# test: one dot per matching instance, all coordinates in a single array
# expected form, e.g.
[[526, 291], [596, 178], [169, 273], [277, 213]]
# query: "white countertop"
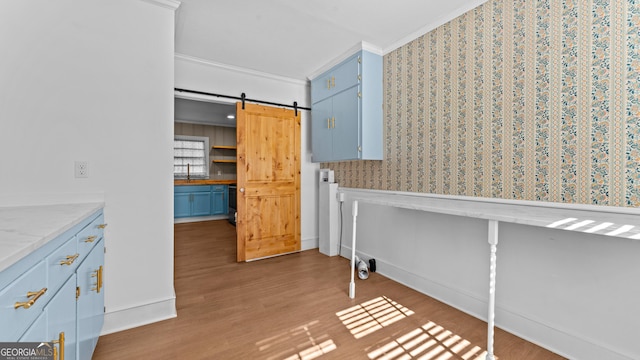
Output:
[[24, 229], [602, 220]]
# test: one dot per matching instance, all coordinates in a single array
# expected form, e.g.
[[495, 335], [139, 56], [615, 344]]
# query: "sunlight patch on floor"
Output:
[[299, 343], [373, 315], [428, 342]]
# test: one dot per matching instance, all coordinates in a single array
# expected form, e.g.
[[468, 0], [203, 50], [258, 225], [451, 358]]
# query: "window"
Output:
[[190, 156]]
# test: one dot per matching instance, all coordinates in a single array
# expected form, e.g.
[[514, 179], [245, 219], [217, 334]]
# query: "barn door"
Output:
[[268, 151]]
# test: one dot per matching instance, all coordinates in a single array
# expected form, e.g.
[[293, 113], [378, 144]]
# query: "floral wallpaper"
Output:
[[531, 100]]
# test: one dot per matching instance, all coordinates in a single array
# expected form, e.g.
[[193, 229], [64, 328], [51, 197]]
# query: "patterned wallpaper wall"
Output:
[[532, 100]]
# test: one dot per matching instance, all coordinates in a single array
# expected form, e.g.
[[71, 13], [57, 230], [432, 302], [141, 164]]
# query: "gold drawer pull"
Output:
[[70, 259], [60, 343], [90, 239], [98, 275], [102, 226], [33, 297]]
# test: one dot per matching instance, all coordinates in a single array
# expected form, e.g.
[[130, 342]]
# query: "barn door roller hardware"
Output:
[[243, 98]]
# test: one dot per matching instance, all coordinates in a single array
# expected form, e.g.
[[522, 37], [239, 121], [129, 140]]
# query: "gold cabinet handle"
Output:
[[102, 226], [60, 343], [98, 284], [334, 122], [333, 81], [328, 123], [328, 84], [70, 259], [90, 239], [33, 296]]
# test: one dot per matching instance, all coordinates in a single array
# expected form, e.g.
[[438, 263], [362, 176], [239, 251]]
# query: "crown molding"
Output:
[[363, 45], [167, 4], [240, 70]]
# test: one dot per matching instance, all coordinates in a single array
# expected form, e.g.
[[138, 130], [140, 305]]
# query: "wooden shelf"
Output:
[[226, 156]]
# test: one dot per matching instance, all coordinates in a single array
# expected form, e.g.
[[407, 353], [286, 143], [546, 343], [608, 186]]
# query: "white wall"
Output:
[[93, 81], [573, 293], [194, 74]]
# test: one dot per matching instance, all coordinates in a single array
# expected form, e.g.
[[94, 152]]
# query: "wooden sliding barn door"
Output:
[[268, 151]]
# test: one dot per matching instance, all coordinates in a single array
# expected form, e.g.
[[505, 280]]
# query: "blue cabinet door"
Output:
[[181, 205], [38, 330], [346, 132], [90, 302], [322, 131], [201, 203], [342, 76], [61, 313], [219, 199]]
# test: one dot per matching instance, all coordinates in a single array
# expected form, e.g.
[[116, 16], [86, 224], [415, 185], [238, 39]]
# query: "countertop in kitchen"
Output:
[[203, 182], [24, 229]]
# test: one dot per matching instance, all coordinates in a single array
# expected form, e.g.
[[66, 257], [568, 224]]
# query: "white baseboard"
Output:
[[129, 318], [543, 335], [199, 218], [308, 244]]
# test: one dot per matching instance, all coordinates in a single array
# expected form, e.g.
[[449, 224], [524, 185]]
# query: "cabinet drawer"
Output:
[[89, 236], [33, 281], [191, 188], [62, 263]]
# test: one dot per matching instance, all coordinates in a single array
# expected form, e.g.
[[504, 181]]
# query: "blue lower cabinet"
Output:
[[181, 205], [38, 330], [200, 200], [201, 203], [61, 318], [191, 200], [90, 301], [49, 302], [219, 199]]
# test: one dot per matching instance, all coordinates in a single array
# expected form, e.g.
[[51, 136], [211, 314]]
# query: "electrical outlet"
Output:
[[82, 169]]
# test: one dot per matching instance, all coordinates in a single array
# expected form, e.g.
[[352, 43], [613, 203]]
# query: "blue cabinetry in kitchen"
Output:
[[200, 200], [346, 110], [45, 295], [219, 199], [90, 302]]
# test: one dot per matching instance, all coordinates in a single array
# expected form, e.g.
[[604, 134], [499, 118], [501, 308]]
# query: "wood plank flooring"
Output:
[[297, 307]]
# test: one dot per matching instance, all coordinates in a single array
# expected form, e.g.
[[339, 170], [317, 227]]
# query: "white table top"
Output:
[[24, 229], [610, 221]]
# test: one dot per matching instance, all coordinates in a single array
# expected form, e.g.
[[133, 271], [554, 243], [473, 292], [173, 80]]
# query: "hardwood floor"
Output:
[[297, 307]]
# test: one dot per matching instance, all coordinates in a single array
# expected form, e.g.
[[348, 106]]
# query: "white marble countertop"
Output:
[[603, 220], [24, 229]]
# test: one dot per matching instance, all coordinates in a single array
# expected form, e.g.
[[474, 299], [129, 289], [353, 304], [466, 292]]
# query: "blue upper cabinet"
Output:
[[346, 112]]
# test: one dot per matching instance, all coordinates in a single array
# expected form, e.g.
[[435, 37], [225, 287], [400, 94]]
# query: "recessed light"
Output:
[[231, 117]]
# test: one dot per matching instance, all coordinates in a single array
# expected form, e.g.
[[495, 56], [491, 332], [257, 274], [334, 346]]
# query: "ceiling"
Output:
[[296, 38], [204, 112]]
